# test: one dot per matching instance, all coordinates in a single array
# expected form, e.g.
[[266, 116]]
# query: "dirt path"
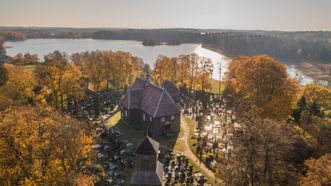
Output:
[[189, 154]]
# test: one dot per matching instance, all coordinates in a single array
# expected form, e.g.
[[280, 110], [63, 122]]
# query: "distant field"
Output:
[[215, 86], [30, 67]]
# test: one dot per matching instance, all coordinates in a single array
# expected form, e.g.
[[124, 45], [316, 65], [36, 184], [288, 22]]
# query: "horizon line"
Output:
[[155, 28]]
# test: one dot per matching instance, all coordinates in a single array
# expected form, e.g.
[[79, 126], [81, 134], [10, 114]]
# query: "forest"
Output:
[[157, 35], [290, 47]]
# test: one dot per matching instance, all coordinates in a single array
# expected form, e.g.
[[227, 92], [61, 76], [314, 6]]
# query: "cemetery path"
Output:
[[186, 150]]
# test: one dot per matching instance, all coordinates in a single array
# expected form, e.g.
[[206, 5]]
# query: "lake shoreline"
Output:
[[320, 72], [148, 54]]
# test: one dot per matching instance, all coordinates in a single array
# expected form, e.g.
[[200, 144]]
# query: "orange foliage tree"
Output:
[[319, 172], [41, 147], [19, 87], [260, 86], [59, 78], [163, 69]]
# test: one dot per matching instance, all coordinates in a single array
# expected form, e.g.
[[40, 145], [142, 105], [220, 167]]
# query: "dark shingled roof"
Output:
[[140, 177], [148, 146], [171, 88], [152, 99], [138, 84]]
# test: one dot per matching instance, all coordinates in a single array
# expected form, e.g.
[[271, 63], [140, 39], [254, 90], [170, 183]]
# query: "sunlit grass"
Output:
[[134, 133], [113, 120], [191, 141]]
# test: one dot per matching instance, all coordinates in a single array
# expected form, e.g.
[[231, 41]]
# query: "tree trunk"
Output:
[[61, 97], [266, 159]]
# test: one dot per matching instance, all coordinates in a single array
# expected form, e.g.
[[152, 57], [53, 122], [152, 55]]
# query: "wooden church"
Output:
[[151, 105]]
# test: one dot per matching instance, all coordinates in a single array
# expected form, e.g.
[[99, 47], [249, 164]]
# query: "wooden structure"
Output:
[[148, 169], [151, 105]]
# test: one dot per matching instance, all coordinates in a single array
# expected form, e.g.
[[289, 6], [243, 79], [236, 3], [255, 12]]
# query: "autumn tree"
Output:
[[3, 75], [72, 85], [41, 147], [174, 63], [163, 69], [310, 108], [92, 67], [319, 171], [3, 71], [2, 49], [318, 97], [113, 69], [205, 73], [259, 154], [59, 78], [323, 139], [220, 77], [193, 64], [182, 69], [19, 87], [259, 86], [26, 59], [124, 69], [190, 70]]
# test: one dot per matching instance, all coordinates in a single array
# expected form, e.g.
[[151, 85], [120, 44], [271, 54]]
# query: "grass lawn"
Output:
[[135, 133], [113, 120], [192, 142], [132, 133], [172, 142], [215, 86], [29, 67]]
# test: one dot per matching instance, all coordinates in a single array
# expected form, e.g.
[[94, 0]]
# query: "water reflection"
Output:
[[148, 54]]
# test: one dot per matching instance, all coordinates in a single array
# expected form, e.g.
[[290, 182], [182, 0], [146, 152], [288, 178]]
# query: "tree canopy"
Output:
[[41, 147], [188, 70], [259, 86], [319, 171]]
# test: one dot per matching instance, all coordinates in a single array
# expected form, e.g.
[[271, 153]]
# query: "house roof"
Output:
[[148, 146], [154, 100]]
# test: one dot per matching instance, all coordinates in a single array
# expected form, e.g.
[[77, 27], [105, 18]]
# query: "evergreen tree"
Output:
[[301, 106], [316, 110], [3, 75]]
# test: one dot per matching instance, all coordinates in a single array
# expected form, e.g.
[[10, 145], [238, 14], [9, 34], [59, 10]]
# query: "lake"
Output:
[[148, 54]]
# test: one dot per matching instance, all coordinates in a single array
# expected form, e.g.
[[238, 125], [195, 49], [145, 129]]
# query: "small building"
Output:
[[149, 105], [148, 169]]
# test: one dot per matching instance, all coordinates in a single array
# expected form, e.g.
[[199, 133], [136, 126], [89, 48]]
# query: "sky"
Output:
[[288, 15]]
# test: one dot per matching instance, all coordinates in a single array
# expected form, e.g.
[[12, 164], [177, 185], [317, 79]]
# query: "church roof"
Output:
[[140, 177], [152, 99], [171, 88], [148, 146]]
